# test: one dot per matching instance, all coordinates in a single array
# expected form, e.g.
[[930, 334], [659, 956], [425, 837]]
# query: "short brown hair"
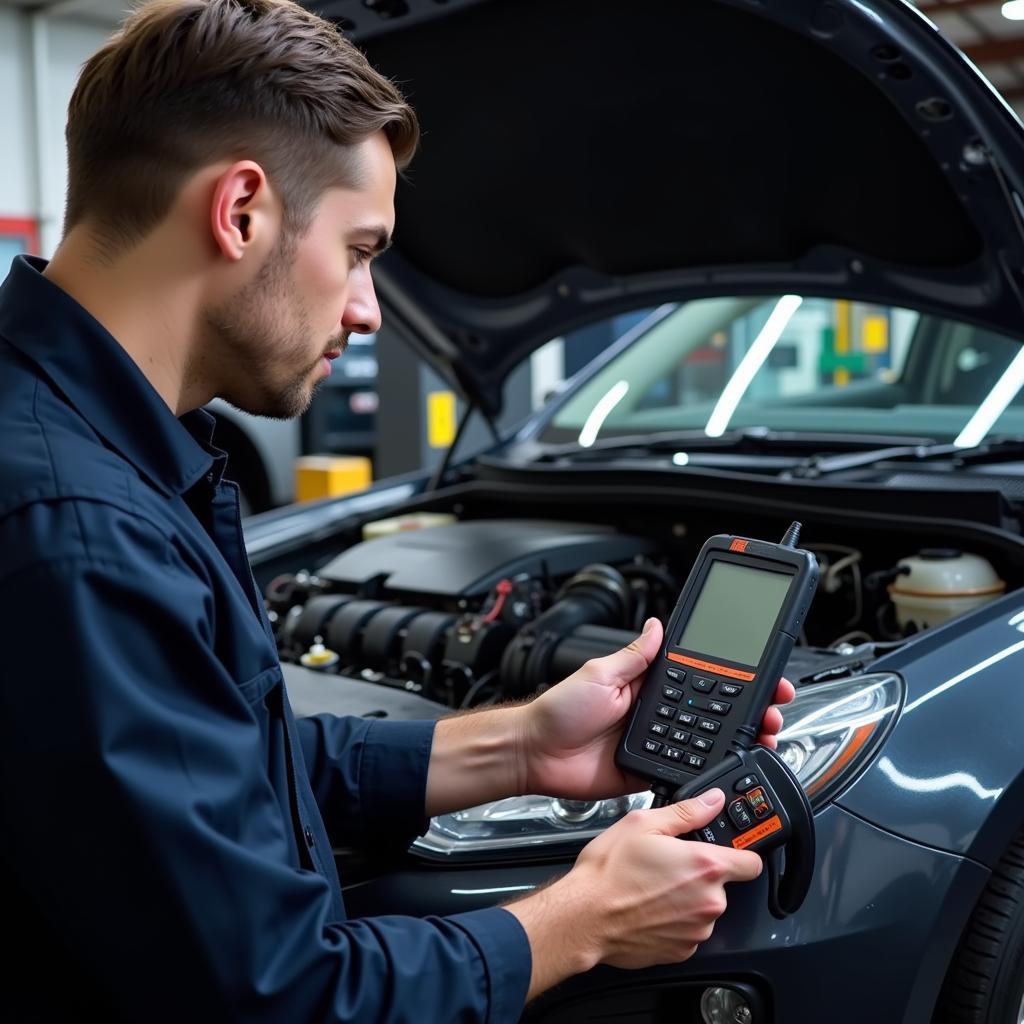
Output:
[[185, 83]]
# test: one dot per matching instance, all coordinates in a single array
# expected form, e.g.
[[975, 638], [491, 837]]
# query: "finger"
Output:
[[741, 865], [784, 692], [768, 741], [772, 721], [685, 816]]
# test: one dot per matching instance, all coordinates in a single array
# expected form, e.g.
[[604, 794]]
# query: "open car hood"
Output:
[[583, 157]]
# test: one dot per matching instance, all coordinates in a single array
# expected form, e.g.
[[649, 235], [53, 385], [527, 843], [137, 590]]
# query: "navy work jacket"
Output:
[[165, 838]]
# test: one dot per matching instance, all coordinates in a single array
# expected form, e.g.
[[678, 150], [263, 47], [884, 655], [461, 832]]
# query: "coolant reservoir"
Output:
[[938, 584]]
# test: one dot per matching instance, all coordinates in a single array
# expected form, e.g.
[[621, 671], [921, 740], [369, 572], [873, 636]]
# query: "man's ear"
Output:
[[244, 213]]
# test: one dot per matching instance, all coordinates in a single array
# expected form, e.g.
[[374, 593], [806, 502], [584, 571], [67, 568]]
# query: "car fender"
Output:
[[951, 773]]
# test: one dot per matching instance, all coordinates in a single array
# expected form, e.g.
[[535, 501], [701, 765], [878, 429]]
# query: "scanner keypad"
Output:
[[686, 718]]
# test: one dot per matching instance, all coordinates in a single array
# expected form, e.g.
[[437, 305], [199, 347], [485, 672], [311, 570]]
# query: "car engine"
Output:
[[480, 611]]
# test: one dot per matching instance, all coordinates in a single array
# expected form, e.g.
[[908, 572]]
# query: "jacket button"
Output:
[[309, 837]]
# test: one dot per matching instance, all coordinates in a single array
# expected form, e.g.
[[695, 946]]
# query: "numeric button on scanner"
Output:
[[702, 744], [707, 725], [652, 746], [687, 718], [671, 693], [672, 754], [677, 675], [747, 782], [729, 689], [665, 711], [740, 815], [695, 760], [702, 683], [759, 802], [719, 707], [680, 737], [658, 728]]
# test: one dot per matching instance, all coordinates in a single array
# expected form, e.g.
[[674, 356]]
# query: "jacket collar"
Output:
[[101, 381]]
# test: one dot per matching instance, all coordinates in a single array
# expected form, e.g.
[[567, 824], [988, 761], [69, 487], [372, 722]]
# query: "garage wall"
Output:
[[16, 186], [33, 173]]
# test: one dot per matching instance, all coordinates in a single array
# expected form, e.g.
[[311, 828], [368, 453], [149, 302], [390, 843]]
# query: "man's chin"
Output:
[[285, 406]]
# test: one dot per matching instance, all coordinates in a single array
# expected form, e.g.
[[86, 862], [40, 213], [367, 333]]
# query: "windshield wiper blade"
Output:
[[749, 439], [998, 449], [825, 465], [660, 441], [995, 450]]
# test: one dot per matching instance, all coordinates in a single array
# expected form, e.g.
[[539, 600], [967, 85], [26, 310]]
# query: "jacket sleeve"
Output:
[[353, 761], [145, 829]]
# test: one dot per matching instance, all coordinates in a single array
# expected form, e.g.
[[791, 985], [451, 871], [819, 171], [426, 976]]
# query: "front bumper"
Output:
[[872, 941]]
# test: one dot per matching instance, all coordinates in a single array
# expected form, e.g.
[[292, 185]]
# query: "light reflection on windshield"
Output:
[[752, 361], [600, 412], [1003, 392]]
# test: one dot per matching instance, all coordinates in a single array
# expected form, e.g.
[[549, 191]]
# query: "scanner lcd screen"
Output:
[[734, 612]]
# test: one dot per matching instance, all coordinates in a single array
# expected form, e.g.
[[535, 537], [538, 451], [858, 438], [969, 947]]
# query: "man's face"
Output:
[[276, 336]]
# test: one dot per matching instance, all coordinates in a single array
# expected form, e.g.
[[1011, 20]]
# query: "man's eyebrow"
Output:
[[383, 238]]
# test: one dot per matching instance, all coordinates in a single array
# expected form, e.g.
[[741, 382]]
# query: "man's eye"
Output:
[[361, 256]]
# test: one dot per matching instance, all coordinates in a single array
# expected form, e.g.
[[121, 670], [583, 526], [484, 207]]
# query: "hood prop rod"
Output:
[[442, 468]]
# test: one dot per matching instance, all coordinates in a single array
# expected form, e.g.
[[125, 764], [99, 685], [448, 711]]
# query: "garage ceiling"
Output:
[[992, 41]]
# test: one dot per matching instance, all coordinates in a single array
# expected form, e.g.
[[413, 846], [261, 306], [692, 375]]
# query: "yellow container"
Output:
[[327, 476]]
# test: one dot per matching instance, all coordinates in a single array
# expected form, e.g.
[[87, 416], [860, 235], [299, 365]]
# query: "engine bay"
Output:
[[465, 611]]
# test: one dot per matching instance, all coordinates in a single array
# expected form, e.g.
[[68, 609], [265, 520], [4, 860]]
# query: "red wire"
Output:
[[503, 589]]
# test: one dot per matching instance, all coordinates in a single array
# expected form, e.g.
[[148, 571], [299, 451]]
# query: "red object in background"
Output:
[[23, 228], [704, 354]]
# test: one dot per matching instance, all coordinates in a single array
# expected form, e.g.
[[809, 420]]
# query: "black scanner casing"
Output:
[[740, 726]]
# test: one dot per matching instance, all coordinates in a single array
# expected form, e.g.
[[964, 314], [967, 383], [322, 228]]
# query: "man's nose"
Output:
[[362, 312]]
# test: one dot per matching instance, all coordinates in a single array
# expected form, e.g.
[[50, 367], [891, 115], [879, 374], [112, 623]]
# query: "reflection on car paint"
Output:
[[953, 780], [966, 674]]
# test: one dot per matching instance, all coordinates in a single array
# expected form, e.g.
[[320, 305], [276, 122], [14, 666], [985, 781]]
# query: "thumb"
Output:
[[687, 815], [632, 660]]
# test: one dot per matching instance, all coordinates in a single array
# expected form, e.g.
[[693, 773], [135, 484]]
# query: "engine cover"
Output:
[[468, 559]]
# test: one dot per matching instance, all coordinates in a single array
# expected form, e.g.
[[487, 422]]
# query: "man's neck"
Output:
[[148, 305]]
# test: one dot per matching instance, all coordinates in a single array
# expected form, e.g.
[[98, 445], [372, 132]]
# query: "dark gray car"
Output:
[[814, 210]]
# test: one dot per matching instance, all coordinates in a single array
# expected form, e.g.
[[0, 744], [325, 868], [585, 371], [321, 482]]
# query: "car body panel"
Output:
[[874, 946], [271, 538], [951, 774]]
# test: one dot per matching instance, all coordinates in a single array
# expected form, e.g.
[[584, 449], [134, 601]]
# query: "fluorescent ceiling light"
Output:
[[992, 405], [614, 395], [1014, 10], [734, 391]]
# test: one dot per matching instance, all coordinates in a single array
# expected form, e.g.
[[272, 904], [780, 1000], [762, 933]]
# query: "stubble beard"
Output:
[[260, 329]]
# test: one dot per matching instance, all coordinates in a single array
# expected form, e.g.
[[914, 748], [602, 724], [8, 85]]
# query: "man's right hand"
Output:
[[636, 896]]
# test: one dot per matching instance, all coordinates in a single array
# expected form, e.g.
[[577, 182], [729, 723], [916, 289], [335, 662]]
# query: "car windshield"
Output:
[[793, 363]]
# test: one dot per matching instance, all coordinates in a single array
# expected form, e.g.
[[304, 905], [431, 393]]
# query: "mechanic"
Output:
[[167, 824]]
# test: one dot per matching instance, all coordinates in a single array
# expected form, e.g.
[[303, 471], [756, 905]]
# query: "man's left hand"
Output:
[[569, 734]]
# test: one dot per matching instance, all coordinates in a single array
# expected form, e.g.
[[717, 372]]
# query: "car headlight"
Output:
[[831, 732]]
